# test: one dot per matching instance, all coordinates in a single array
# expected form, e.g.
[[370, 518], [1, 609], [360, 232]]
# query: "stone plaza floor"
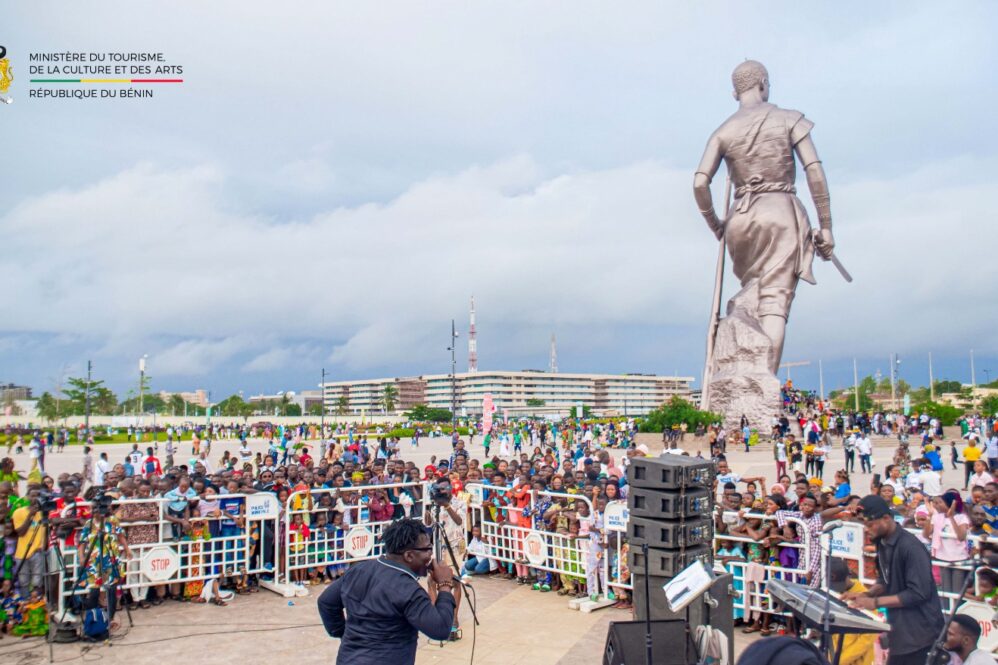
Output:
[[518, 625]]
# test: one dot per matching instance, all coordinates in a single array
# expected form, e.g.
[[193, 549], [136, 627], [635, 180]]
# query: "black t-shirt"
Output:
[[905, 569]]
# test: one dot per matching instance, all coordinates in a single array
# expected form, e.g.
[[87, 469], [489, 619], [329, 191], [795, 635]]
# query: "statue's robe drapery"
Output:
[[767, 231]]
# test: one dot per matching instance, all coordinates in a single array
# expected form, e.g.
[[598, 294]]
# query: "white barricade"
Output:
[[310, 540], [238, 540], [615, 548], [509, 531], [750, 577]]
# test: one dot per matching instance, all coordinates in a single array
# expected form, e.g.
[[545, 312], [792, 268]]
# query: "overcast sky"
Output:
[[334, 180]]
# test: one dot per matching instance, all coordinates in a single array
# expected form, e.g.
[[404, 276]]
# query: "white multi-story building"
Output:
[[625, 394]]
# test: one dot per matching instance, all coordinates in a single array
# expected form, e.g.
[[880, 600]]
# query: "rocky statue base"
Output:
[[740, 380]]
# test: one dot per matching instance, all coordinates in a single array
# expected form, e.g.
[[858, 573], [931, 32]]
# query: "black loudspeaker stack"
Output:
[[671, 505]]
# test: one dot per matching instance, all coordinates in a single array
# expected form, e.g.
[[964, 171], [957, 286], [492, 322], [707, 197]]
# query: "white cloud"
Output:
[[197, 357], [333, 182], [161, 253]]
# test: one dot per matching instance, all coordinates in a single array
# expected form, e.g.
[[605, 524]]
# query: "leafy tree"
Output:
[[315, 409], [586, 412], [102, 401], [46, 406], [946, 386], [868, 385], [947, 414], [388, 397], [421, 413], [883, 386], [675, 412], [989, 405], [148, 404], [177, 404], [292, 410], [342, 405], [534, 402], [232, 406], [76, 395]]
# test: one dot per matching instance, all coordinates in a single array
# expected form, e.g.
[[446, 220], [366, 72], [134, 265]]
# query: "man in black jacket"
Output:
[[386, 608], [904, 587]]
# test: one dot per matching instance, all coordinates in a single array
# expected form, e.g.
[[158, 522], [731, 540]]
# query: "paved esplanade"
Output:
[[519, 625]]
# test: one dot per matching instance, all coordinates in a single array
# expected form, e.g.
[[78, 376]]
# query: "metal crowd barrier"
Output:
[[309, 543], [243, 544], [750, 577], [509, 532]]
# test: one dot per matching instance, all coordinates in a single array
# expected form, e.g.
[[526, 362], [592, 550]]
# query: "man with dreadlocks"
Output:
[[385, 606]]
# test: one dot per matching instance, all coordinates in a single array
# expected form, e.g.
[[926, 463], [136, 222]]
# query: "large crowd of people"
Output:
[[531, 470]]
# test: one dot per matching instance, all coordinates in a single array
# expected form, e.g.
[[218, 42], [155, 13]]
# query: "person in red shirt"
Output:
[[151, 467], [68, 517], [304, 460]]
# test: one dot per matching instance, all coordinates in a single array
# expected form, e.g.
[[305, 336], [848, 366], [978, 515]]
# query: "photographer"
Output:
[[67, 516], [100, 545], [29, 553], [450, 511]]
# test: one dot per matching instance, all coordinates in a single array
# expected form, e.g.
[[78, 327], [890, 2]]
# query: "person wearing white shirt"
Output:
[[992, 450], [932, 482], [894, 480], [865, 449], [100, 469], [961, 639]]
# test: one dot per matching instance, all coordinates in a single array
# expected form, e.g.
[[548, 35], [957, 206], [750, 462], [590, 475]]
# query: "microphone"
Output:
[[831, 526]]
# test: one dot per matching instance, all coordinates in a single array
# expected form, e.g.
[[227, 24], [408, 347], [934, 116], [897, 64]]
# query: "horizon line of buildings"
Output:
[[514, 392]]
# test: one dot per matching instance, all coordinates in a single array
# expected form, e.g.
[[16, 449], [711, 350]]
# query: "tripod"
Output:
[[44, 525], [440, 540], [938, 655], [93, 595]]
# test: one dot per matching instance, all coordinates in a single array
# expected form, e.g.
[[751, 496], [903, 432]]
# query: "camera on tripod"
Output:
[[102, 503], [440, 492], [46, 501]]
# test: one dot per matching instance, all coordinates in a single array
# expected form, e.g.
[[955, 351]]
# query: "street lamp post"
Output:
[[453, 376], [142, 380], [322, 403], [86, 412], [897, 376]]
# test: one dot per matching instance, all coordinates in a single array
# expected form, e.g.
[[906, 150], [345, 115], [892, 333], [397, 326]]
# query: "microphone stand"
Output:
[[648, 641], [938, 655], [826, 639], [438, 530]]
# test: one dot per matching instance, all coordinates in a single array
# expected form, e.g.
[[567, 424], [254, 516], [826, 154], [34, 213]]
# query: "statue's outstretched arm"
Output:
[[818, 185], [709, 164]]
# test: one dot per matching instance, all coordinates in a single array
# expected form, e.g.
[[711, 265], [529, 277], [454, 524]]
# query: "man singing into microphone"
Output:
[[386, 608]]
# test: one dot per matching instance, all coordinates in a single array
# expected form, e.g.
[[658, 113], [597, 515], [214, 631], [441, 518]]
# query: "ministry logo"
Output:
[[6, 76]]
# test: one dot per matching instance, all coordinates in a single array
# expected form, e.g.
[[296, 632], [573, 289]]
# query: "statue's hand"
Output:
[[716, 226], [824, 243]]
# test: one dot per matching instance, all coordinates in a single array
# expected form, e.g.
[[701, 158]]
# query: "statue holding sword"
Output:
[[765, 227]]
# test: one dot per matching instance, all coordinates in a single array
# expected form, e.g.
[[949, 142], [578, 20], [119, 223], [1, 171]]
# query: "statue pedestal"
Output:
[[740, 380]]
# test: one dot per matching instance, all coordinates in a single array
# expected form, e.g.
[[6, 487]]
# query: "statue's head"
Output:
[[750, 75]]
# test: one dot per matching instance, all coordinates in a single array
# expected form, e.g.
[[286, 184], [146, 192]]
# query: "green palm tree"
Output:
[[388, 397]]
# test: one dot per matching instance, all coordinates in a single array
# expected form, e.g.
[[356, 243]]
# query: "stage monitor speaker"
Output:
[[669, 505], [668, 563], [625, 643], [670, 472], [721, 617], [669, 534]]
